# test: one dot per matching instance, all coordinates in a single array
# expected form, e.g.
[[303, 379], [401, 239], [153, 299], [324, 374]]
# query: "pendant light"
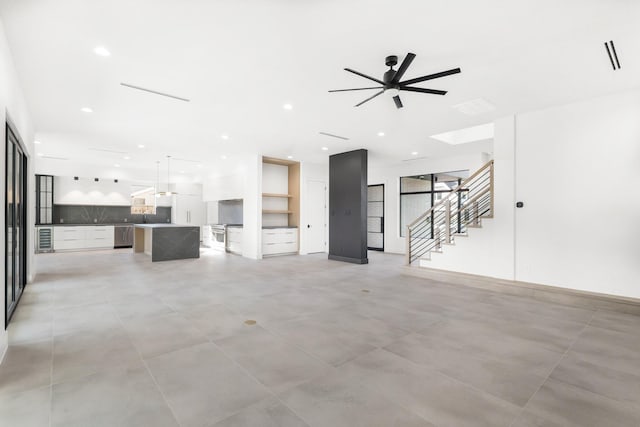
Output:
[[168, 192]]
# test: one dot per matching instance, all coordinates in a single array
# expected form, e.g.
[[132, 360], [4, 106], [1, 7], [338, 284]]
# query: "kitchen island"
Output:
[[164, 242]]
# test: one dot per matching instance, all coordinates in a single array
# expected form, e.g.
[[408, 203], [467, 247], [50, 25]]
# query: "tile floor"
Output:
[[110, 339]]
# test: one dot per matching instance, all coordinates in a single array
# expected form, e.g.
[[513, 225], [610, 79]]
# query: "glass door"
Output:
[[375, 217], [15, 231]]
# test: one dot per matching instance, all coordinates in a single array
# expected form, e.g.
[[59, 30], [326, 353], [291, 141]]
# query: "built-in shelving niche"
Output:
[[281, 193]]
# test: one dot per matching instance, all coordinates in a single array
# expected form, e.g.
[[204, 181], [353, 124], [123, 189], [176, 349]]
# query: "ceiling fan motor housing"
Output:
[[391, 61]]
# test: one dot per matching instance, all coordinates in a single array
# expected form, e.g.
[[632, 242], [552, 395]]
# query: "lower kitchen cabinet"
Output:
[[67, 238], [279, 241], [234, 240]]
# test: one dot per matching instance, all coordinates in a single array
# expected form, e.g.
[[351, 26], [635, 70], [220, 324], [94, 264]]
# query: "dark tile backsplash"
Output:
[[92, 214]]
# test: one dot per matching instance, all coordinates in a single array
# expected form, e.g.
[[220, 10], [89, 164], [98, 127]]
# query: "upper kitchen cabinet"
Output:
[[280, 193]]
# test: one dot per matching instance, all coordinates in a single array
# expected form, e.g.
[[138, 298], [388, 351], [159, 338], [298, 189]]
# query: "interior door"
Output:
[[375, 217], [316, 216]]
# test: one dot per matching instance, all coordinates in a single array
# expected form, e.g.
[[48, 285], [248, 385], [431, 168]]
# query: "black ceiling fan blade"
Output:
[[358, 73], [397, 100], [370, 98], [403, 67], [430, 77], [360, 88], [422, 90]]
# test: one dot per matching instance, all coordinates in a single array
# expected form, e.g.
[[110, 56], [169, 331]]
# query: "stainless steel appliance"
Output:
[[44, 239], [123, 236], [218, 236]]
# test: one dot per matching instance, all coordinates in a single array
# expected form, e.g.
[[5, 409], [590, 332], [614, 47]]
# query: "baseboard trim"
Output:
[[348, 259], [547, 293]]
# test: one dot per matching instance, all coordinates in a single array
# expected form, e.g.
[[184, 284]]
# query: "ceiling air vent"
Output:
[[474, 107], [53, 158], [155, 92], [613, 55], [344, 138]]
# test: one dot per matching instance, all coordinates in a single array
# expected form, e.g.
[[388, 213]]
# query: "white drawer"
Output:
[[99, 232], [280, 235], [67, 244], [279, 248], [66, 233]]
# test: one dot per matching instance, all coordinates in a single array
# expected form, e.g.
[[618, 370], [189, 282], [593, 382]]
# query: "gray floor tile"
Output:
[[114, 398], [267, 413], [161, 334], [91, 317], [273, 362], [26, 366], [428, 393], [603, 380], [606, 347], [628, 323], [27, 409], [203, 386], [216, 321], [571, 406], [337, 401], [82, 353]]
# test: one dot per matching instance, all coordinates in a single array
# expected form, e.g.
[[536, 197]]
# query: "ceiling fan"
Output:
[[391, 81]]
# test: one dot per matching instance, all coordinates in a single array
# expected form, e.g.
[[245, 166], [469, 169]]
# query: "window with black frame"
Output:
[[418, 193]]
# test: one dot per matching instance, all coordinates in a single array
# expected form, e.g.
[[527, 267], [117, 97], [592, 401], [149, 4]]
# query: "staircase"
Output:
[[462, 208]]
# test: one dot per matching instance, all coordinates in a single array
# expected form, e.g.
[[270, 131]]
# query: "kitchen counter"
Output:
[[164, 242], [273, 227]]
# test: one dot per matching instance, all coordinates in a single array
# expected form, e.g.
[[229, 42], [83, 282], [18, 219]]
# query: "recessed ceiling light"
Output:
[[199, 166], [101, 51], [289, 157], [325, 148], [117, 165], [224, 136], [414, 153], [287, 107], [127, 158], [86, 110], [40, 154], [181, 171], [223, 157], [140, 146], [380, 133], [36, 142]]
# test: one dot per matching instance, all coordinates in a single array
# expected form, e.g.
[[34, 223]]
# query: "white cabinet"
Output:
[[279, 241], [234, 240], [82, 237], [188, 207]]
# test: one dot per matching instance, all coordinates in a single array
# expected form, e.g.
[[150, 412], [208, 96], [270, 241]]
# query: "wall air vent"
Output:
[[344, 138], [155, 92], [613, 55], [415, 158]]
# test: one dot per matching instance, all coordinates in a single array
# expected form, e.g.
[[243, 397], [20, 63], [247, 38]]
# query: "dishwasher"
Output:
[[123, 236]]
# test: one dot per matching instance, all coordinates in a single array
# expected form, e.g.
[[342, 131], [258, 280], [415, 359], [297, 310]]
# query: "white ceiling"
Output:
[[240, 61]]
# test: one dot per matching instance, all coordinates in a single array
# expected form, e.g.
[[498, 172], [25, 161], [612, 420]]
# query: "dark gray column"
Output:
[[348, 207]]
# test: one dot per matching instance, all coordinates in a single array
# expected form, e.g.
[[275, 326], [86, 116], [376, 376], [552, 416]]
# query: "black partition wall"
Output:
[[15, 222], [348, 207]]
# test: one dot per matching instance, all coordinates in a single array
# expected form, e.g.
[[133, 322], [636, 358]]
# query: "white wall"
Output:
[[489, 251], [576, 169], [390, 177], [86, 191], [582, 230], [13, 106]]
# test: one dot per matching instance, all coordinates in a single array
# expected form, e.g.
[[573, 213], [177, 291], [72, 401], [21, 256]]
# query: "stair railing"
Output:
[[461, 208]]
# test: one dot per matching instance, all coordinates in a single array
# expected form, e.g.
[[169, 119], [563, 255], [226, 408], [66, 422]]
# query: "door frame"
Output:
[[384, 214], [11, 133]]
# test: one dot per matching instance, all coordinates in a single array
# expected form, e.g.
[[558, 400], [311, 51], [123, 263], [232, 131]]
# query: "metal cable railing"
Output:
[[464, 206]]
